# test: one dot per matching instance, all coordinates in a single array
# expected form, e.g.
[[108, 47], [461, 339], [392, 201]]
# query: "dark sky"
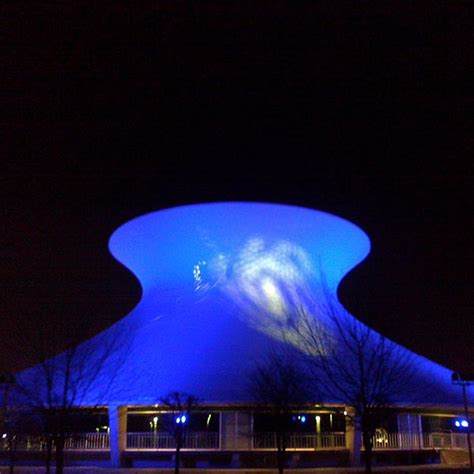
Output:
[[362, 109]]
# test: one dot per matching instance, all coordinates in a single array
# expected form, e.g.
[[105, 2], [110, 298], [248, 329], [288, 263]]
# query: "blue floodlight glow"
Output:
[[303, 419], [181, 419], [461, 423], [224, 277]]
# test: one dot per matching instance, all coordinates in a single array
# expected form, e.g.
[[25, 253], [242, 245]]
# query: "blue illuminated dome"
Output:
[[216, 281]]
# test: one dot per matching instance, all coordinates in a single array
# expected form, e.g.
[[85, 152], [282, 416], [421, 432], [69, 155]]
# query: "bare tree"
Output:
[[180, 405], [61, 388], [13, 420], [352, 364], [279, 387]]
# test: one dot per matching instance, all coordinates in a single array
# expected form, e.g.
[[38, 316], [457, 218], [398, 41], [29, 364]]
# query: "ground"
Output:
[[422, 469]]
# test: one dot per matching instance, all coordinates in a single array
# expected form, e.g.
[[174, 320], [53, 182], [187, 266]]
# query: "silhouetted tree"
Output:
[[354, 365], [180, 405], [58, 385], [12, 420], [280, 388]]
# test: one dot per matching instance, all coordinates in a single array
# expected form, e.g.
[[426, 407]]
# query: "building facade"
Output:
[[220, 284]]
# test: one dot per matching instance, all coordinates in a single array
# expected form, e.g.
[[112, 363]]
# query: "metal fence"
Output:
[[394, 441], [210, 441], [98, 441], [165, 441], [79, 441], [301, 441], [420, 441]]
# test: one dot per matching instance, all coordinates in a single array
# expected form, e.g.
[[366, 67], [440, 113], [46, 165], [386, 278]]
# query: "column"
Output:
[[118, 434], [236, 434], [236, 431], [318, 431]]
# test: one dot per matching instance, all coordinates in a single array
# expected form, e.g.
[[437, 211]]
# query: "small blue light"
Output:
[[461, 423], [294, 417], [178, 420], [303, 419], [183, 419]]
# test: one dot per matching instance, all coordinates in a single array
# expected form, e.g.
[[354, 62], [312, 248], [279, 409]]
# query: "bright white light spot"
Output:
[[178, 420], [269, 288], [457, 424], [464, 423], [318, 418], [155, 420], [273, 296], [183, 419], [4, 435], [265, 277], [345, 412]]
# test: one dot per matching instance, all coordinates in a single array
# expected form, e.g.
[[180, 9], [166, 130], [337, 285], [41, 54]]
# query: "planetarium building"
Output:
[[226, 288]]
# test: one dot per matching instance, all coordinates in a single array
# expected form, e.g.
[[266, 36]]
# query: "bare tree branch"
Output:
[[351, 364], [180, 405], [279, 386], [81, 375]]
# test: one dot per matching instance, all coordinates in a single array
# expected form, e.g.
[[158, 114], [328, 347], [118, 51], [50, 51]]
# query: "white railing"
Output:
[[301, 441], [420, 441], [445, 440], [157, 441], [394, 441], [23, 443], [79, 441], [98, 441], [397, 441], [204, 440]]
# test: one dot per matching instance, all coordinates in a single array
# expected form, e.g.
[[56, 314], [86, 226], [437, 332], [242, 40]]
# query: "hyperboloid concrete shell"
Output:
[[217, 280]]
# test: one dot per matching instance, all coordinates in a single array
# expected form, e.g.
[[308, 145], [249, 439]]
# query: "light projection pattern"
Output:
[[264, 280]]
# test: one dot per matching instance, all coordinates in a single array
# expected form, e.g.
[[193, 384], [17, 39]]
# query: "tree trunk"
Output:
[[281, 460], [367, 439], [49, 453], [60, 441], [281, 452], [12, 454], [177, 459], [179, 443]]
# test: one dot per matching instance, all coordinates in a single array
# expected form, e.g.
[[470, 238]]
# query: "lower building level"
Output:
[[242, 437]]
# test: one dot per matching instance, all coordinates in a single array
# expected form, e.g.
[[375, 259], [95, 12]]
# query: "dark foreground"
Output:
[[435, 469]]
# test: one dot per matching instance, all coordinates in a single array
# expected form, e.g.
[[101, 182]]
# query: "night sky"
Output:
[[361, 109]]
